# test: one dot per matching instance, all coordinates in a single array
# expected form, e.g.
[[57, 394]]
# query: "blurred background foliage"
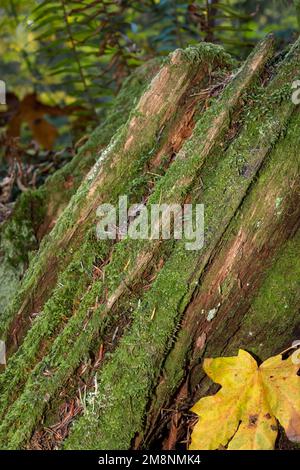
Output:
[[74, 54]]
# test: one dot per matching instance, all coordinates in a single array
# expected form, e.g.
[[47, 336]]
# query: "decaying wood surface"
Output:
[[105, 339]]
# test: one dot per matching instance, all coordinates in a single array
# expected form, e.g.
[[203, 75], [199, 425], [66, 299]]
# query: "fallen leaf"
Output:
[[243, 414]]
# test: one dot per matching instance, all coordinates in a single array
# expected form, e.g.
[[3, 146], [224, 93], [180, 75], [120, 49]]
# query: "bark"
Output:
[[103, 333]]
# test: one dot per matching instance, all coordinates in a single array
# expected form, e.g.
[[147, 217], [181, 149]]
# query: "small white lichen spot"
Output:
[[211, 314], [278, 202]]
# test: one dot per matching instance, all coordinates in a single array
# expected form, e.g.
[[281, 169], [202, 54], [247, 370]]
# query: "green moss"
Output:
[[143, 347], [18, 237], [61, 306], [47, 320], [141, 350], [273, 313], [67, 351], [205, 52]]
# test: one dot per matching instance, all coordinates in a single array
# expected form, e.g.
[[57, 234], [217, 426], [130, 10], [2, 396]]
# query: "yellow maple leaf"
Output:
[[243, 414]]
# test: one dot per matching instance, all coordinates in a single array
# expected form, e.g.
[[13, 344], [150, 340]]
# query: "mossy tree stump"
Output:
[[104, 335]]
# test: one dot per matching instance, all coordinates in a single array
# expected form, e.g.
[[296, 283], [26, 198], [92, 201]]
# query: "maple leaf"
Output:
[[244, 413]]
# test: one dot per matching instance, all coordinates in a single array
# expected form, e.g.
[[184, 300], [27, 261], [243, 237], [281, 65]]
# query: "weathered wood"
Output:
[[37, 211]]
